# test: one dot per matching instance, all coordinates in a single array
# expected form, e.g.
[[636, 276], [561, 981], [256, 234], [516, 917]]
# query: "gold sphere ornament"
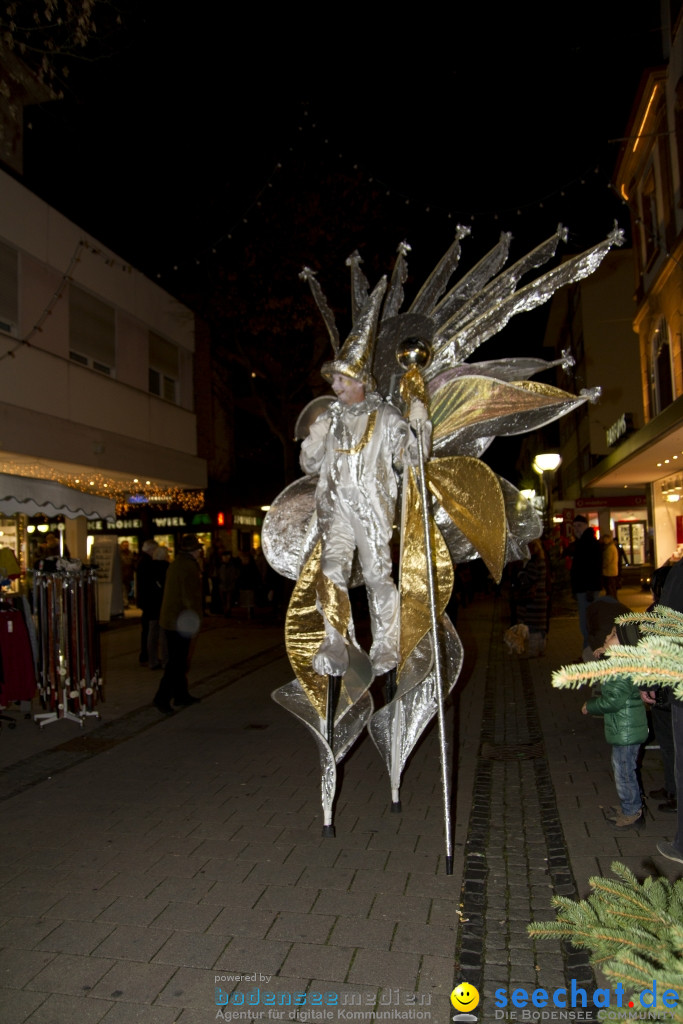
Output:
[[413, 352]]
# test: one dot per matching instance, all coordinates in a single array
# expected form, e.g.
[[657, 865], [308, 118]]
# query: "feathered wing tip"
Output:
[[474, 280], [360, 288], [454, 316], [307, 274], [456, 342], [437, 282], [394, 299]]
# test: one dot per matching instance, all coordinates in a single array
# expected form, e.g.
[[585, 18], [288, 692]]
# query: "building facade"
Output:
[[96, 369], [648, 177]]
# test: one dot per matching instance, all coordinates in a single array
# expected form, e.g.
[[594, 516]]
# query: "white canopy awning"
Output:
[[32, 496]]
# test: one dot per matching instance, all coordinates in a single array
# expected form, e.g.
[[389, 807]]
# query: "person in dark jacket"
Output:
[[626, 730], [180, 618], [156, 642], [145, 596], [586, 571]]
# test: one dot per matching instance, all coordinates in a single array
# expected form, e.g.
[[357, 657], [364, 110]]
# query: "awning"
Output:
[[32, 496]]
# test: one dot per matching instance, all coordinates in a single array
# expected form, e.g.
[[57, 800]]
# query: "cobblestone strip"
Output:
[[516, 856]]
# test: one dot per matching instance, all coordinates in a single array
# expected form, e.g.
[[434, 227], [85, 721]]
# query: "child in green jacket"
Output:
[[626, 729]]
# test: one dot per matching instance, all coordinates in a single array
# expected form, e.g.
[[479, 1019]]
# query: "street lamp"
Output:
[[546, 465]]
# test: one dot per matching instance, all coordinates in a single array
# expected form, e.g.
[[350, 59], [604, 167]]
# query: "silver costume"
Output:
[[357, 450]]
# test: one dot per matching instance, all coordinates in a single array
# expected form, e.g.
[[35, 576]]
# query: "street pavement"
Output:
[[162, 870]]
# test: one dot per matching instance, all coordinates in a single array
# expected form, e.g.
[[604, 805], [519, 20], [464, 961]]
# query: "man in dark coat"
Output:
[[181, 617], [586, 570], [144, 594]]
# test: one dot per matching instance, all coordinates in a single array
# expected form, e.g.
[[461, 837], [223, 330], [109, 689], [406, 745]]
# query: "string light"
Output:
[[128, 494], [255, 204]]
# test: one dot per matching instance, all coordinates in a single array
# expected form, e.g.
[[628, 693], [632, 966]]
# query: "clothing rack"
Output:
[[69, 662], [18, 650]]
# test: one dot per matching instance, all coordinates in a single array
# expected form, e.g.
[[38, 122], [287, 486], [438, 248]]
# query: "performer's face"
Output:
[[347, 390]]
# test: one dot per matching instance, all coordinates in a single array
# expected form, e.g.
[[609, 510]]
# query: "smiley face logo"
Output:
[[465, 998]]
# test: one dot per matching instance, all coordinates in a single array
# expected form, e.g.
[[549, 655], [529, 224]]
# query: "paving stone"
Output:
[[241, 955], [234, 894], [396, 969], [277, 874], [267, 852], [132, 942], [18, 967], [24, 933], [188, 949], [81, 906], [130, 1013], [313, 856], [301, 927], [243, 921], [191, 890], [328, 962], [429, 939], [188, 917], [133, 982], [350, 998], [128, 910], [23, 902], [79, 937], [282, 897], [70, 975], [363, 933], [130, 883], [16, 1006], [380, 881], [345, 904], [177, 865], [407, 908], [65, 1009]]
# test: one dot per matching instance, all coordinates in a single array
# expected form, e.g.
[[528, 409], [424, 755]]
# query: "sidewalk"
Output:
[[149, 859]]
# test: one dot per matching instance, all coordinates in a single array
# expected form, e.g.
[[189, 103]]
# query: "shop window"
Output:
[[9, 289], [92, 331], [649, 219], [163, 368], [661, 374], [632, 539]]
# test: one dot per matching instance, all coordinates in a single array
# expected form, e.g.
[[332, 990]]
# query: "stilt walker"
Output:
[[331, 530]]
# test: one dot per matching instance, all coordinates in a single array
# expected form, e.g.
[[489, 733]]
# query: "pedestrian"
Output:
[[626, 730], [156, 644], [144, 595], [610, 565], [180, 618], [586, 570]]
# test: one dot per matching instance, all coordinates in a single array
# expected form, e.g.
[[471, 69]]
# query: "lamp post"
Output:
[[546, 465]]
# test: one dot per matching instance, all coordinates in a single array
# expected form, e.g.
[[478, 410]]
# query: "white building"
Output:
[[96, 365]]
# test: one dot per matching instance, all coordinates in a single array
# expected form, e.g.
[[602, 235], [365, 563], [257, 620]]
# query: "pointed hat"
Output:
[[355, 356]]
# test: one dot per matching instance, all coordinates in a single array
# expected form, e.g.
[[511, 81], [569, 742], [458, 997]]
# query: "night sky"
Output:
[[219, 149], [203, 123]]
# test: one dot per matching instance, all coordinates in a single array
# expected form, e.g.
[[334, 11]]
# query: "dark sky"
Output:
[[204, 128], [220, 147]]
